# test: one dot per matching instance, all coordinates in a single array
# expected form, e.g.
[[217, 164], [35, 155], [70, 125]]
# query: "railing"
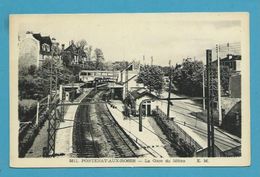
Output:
[[170, 126], [29, 130], [39, 118]]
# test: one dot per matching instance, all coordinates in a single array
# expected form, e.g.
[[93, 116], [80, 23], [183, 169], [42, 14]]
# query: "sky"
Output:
[[164, 36]]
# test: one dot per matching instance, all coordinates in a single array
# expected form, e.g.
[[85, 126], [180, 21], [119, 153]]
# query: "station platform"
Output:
[[150, 144], [64, 143]]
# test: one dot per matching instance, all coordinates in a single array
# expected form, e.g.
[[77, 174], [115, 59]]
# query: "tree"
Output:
[[82, 43], [32, 70], [89, 53], [224, 79], [55, 49], [66, 58], [119, 65], [99, 56], [152, 77], [188, 77], [32, 87]]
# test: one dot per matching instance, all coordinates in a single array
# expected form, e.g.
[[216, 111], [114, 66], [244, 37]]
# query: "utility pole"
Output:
[[203, 89], [114, 80], [169, 91], [37, 114], [210, 121], [56, 81], [52, 118], [48, 101], [73, 93], [51, 81], [151, 60], [126, 79], [219, 88], [62, 102], [228, 48]]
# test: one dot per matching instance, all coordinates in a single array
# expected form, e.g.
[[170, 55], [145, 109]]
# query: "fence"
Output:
[[170, 127], [28, 130]]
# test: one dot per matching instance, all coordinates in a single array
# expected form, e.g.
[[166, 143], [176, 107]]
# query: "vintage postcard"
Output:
[[129, 90]]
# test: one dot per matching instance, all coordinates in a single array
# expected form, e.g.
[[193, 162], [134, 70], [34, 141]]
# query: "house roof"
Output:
[[42, 39], [74, 85], [75, 50], [228, 58], [136, 94], [231, 57], [71, 48]]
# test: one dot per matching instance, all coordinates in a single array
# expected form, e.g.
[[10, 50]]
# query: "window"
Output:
[[83, 74], [231, 65], [147, 102], [45, 48]]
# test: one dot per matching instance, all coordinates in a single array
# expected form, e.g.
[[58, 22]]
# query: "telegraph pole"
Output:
[[51, 81], [219, 88], [169, 91], [203, 88], [56, 81], [126, 79], [210, 121], [113, 90]]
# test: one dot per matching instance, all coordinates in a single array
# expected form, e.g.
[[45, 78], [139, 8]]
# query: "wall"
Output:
[[138, 101], [132, 84], [238, 65], [235, 86], [29, 52], [204, 152]]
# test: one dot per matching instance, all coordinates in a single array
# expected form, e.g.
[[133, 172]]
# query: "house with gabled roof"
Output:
[[34, 49], [135, 97], [76, 54]]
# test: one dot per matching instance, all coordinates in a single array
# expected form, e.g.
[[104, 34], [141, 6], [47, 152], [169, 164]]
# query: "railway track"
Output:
[[84, 137], [121, 144], [84, 143]]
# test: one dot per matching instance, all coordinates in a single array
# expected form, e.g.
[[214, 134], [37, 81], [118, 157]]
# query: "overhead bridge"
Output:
[[96, 75], [102, 86]]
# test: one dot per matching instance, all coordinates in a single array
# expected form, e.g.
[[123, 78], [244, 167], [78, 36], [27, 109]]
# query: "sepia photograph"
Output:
[[119, 90]]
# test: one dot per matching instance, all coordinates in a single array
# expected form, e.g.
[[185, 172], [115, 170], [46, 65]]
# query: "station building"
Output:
[[119, 82], [69, 92], [138, 96]]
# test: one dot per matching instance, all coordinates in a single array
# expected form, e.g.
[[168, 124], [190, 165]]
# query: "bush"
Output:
[[27, 109], [184, 149], [126, 111]]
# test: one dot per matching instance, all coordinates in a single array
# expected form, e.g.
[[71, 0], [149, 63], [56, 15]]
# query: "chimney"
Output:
[[28, 34], [71, 42]]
